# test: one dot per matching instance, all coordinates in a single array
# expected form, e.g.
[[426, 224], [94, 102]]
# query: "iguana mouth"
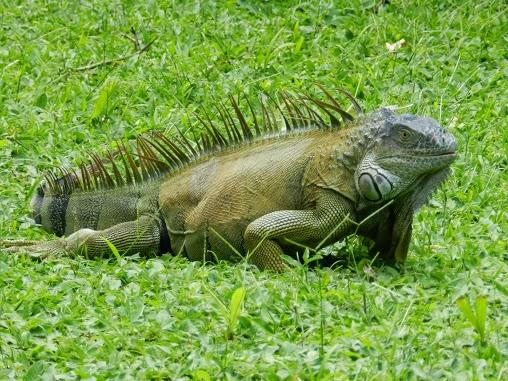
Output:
[[451, 153], [446, 154]]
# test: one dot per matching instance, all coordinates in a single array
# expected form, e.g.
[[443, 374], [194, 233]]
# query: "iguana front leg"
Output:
[[392, 232], [140, 236], [330, 220]]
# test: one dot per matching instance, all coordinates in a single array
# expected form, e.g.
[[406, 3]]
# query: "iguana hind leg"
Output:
[[327, 221], [140, 236]]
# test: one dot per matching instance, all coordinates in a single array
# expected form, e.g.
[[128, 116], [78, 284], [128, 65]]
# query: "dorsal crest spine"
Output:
[[155, 154]]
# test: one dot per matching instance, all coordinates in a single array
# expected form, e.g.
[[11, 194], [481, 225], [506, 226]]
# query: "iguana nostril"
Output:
[[452, 144]]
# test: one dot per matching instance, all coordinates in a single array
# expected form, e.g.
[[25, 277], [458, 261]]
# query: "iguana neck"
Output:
[[358, 141]]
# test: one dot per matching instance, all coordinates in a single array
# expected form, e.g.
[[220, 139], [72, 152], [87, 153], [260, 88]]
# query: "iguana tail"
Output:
[[18, 242]]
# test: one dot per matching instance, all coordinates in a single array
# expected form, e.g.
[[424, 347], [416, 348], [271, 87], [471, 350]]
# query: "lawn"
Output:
[[77, 76]]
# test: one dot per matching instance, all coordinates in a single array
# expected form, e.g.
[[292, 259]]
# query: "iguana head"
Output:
[[403, 149], [48, 210]]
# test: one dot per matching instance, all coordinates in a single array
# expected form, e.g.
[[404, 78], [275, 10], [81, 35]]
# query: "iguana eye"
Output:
[[404, 135]]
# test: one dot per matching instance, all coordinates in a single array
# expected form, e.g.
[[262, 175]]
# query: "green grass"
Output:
[[166, 318]]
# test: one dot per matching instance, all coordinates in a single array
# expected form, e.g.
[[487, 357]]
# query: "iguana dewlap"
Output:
[[239, 195]]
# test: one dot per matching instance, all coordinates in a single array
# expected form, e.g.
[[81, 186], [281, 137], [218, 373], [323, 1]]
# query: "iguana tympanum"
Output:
[[253, 190]]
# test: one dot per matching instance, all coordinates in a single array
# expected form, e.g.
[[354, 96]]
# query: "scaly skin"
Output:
[[267, 197]]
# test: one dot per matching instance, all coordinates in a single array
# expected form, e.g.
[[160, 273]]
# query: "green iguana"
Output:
[[250, 189]]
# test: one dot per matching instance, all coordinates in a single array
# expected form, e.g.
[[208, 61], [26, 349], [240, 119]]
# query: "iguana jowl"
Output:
[[258, 196]]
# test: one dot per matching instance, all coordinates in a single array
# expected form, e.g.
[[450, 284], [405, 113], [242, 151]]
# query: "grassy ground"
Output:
[[166, 318]]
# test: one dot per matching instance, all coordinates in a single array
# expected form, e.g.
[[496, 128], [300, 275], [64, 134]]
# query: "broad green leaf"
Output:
[[34, 371], [466, 310], [201, 375], [103, 99], [478, 317], [481, 314], [236, 306], [42, 100], [299, 44], [501, 288]]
